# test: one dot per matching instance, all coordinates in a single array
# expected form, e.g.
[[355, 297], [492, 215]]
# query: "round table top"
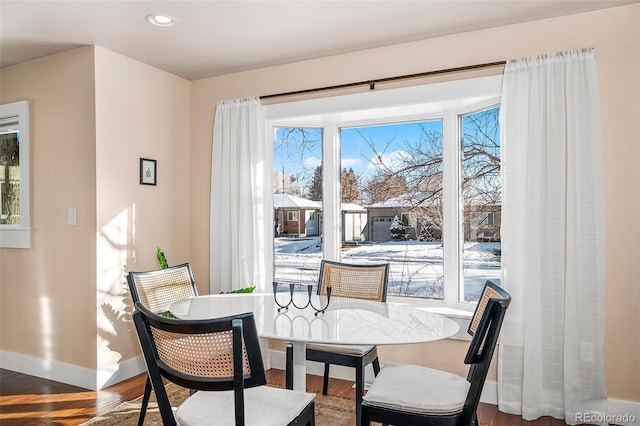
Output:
[[345, 321]]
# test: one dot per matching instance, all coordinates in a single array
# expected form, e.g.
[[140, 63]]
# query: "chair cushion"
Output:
[[356, 350], [263, 406], [419, 390]]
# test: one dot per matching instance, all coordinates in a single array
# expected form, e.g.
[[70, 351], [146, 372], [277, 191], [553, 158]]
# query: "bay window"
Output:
[[407, 176]]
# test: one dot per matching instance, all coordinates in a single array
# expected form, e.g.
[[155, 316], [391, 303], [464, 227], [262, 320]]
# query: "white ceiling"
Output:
[[213, 38]]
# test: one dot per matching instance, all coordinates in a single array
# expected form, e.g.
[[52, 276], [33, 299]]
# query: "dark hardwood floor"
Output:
[[27, 400]]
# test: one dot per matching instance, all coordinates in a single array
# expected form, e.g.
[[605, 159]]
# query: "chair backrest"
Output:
[[367, 282], [484, 327], [159, 288], [214, 355]]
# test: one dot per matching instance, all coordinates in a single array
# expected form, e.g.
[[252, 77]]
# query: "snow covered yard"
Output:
[[416, 267]]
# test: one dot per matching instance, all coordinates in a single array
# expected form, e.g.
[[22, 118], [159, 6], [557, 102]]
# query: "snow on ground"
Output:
[[415, 266]]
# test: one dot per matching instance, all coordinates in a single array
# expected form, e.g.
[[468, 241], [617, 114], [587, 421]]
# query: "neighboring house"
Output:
[[482, 223], [421, 214], [296, 216], [299, 217]]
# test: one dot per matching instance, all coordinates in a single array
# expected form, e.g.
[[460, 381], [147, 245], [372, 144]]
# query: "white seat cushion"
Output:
[[263, 406], [418, 390], [357, 350]]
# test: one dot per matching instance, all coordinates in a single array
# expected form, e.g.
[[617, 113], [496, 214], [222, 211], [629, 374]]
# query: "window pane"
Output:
[[391, 184], [9, 179], [481, 199], [297, 187]]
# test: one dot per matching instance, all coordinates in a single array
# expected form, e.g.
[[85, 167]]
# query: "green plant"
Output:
[[161, 258], [244, 290], [167, 314]]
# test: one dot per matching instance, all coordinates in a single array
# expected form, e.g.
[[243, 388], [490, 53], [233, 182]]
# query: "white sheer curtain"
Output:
[[551, 353], [238, 186]]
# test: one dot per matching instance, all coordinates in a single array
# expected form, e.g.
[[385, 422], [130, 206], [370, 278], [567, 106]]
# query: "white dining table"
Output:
[[345, 321]]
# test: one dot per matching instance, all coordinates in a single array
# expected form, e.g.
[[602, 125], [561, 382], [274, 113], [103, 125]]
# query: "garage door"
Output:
[[381, 227]]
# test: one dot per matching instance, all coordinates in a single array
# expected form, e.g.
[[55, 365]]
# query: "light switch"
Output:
[[72, 216]]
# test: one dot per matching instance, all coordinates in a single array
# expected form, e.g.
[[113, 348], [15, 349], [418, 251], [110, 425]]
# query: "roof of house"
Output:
[[352, 207], [286, 201], [408, 200]]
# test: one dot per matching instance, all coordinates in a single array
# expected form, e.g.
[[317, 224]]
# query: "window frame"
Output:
[[397, 105], [19, 235]]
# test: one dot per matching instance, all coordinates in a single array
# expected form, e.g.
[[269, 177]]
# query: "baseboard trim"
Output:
[[120, 372], [623, 412], [71, 374]]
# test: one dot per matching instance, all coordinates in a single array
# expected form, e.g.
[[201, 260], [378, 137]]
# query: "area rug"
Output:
[[330, 410]]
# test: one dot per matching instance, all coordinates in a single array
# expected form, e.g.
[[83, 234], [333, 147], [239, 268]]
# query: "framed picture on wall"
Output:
[[148, 171]]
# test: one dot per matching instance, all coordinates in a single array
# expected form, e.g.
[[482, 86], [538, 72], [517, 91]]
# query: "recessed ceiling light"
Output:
[[161, 20]]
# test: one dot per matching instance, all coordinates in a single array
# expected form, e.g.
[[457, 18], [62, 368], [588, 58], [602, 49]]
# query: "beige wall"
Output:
[[141, 112], [45, 289], [93, 114], [615, 36]]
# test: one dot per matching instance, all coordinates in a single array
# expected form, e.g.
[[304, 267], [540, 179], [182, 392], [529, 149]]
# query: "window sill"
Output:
[[15, 237]]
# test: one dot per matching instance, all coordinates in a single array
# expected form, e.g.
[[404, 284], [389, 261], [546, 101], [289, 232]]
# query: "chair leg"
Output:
[[359, 391], [365, 419], [325, 381], [145, 402], [288, 371], [376, 366], [312, 420]]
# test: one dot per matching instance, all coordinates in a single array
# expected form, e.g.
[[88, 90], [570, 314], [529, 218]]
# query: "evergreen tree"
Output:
[[397, 229], [315, 191]]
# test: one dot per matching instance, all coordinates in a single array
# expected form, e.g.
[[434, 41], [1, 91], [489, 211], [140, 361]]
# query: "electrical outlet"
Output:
[[586, 351]]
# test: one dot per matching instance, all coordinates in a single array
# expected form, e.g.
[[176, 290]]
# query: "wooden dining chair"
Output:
[[222, 360], [414, 395], [366, 282], [156, 290]]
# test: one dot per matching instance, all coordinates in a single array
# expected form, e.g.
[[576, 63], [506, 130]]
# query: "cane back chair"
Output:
[[221, 359], [414, 395], [367, 282], [157, 290]]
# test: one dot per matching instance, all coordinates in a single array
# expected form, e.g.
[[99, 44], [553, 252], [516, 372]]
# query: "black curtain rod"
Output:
[[372, 83]]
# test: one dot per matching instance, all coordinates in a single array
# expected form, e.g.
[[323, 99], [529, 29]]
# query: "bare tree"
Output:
[[384, 185], [481, 152], [10, 166], [481, 186], [294, 145], [416, 170], [349, 184]]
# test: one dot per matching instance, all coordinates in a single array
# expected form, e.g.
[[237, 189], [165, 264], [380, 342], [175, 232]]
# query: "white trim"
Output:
[[347, 108], [120, 372], [71, 374], [628, 411], [15, 237], [19, 236]]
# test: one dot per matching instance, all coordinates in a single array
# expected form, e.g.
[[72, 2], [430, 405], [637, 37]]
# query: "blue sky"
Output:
[[356, 152]]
